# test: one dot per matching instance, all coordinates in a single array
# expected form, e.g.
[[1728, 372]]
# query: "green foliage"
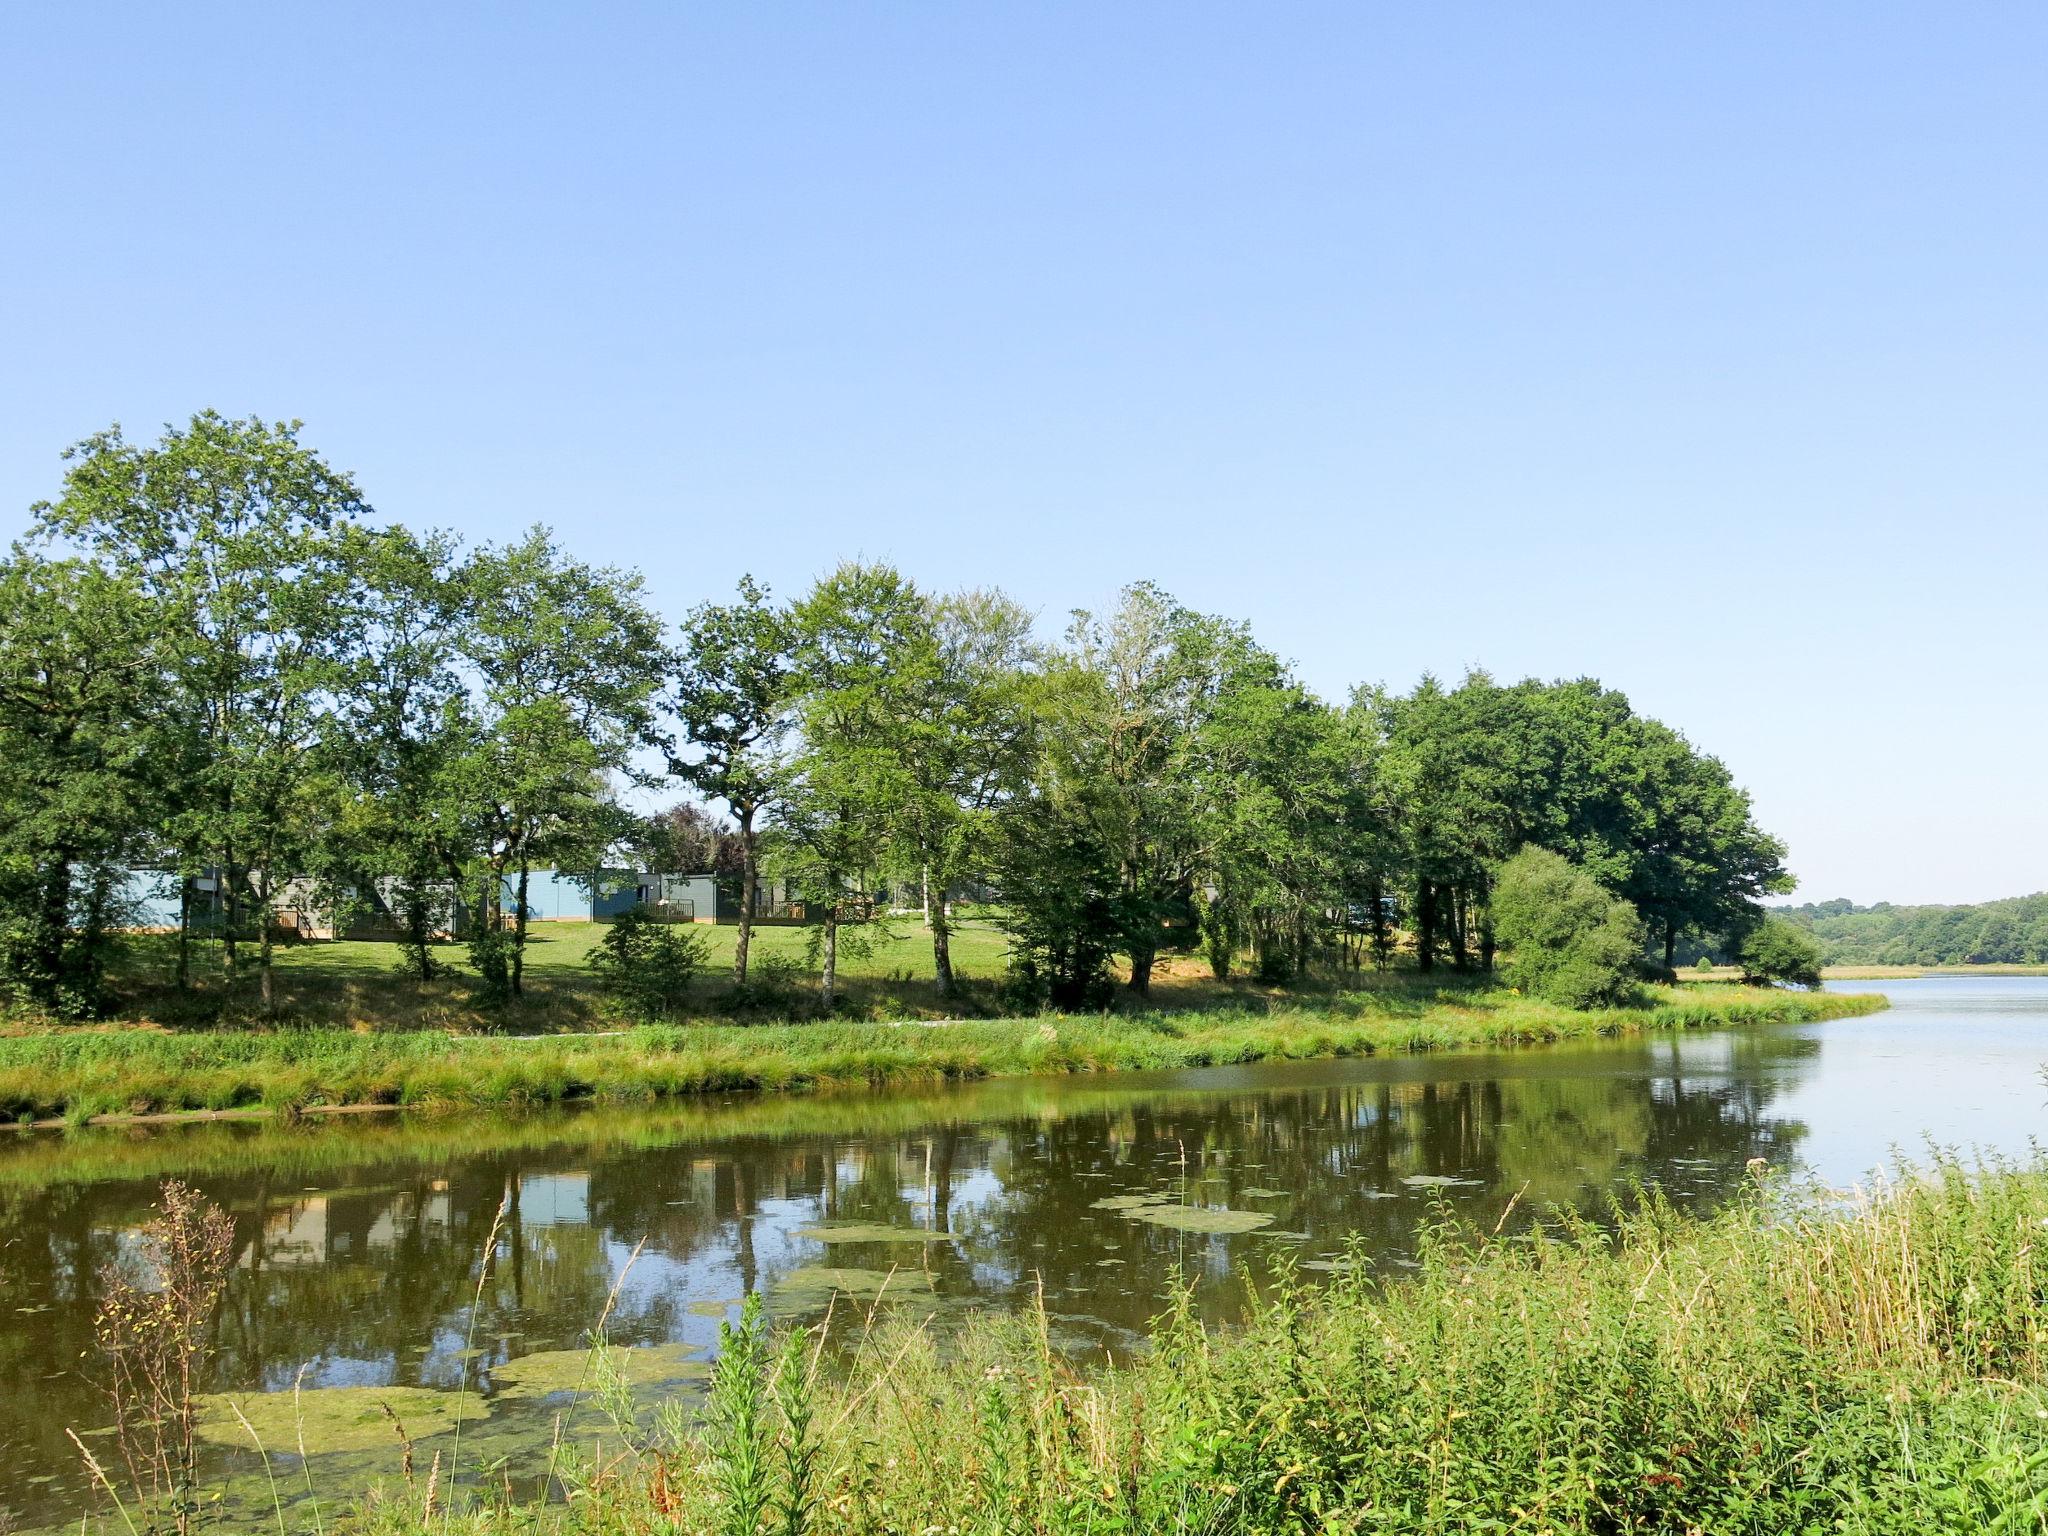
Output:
[[1776, 950], [1569, 941], [731, 699], [343, 721], [738, 1432], [82, 770], [2009, 932], [648, 965], [249, 542], [1063, 904]]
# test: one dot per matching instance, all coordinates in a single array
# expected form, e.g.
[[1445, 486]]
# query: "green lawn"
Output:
[[885, 971], [561, 951]]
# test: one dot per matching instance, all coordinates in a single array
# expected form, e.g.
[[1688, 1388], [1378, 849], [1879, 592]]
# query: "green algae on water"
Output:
[[817, 1282], [334, 1418], [566, 1370], [868, 1232], [1196, 1218]]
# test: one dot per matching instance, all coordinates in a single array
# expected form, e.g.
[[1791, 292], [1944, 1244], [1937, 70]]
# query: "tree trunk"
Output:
[[184, 932], [927, 883], [519, 930], [1141, 970], [1461, 958], [265, 984], [1425, 926], [1486, 941], [232, 914], [942, 941], [1670, 942], [829, 977], [52, 923], [750, 885]]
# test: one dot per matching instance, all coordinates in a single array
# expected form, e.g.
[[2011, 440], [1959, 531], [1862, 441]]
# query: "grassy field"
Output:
[[79, 1074], [1798, 1363], [885, 971]]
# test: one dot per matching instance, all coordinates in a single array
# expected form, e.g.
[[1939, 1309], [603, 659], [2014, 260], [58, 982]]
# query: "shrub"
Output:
[[648, 965], [1570, 942], [1777, 950]]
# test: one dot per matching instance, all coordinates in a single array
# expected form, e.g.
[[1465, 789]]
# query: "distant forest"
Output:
[[2009, 932]]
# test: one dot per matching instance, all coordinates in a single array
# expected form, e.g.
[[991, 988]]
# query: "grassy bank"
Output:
[[79, 1075], [1793, 1364]]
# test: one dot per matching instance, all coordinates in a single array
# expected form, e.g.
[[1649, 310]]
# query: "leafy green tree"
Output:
[[1278, 774], [859, 639], [731, 699], [404, 834], [1461, 772], [1569, 940], [242, 534], [1778, 951], [1124, 727], [561, 662], [84, 765], [1062, 890], [965, 687], [1698, 861]]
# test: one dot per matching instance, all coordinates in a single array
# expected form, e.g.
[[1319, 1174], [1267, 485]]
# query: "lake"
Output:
[[358, 1237]]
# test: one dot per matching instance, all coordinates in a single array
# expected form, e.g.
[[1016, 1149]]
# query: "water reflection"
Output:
[[357, 1243]]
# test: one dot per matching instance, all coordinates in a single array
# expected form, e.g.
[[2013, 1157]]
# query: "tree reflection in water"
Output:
[[358, 1242]]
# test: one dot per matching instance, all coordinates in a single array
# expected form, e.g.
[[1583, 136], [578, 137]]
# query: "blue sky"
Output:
[[1698, 349]]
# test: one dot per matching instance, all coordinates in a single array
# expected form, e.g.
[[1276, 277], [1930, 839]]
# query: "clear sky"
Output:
[[1703, 349]]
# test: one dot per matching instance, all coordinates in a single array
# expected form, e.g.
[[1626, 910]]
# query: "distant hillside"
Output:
[[2010, 932]]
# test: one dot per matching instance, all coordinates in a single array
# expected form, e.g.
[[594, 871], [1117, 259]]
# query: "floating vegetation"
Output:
[[1126, 1202], [712, 1308], [333, 1418], [1263, 1194], [1441, 1181], [815, 1283], [1160, 1210], [566, 1370], [869, 1232], [1196, 1218]]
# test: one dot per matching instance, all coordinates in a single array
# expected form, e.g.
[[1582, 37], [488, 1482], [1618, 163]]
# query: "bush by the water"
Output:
[[1776, 950], [1569, 941]]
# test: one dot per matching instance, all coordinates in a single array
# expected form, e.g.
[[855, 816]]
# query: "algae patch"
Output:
[[567, 1370], [815, 1284], [333, 1418], [1162, 1212], [861, 1232]]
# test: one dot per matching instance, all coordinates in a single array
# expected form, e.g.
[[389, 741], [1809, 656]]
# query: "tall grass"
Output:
[[1799, 1363], [75, 1076]]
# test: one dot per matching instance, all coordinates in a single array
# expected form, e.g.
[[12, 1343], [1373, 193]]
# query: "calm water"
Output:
[[358, 1241]]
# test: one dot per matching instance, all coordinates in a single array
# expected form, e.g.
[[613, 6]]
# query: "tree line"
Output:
[[2009, 932], [213, 658]]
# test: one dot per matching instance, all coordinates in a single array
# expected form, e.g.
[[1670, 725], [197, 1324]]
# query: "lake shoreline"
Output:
[[96, 1078]]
